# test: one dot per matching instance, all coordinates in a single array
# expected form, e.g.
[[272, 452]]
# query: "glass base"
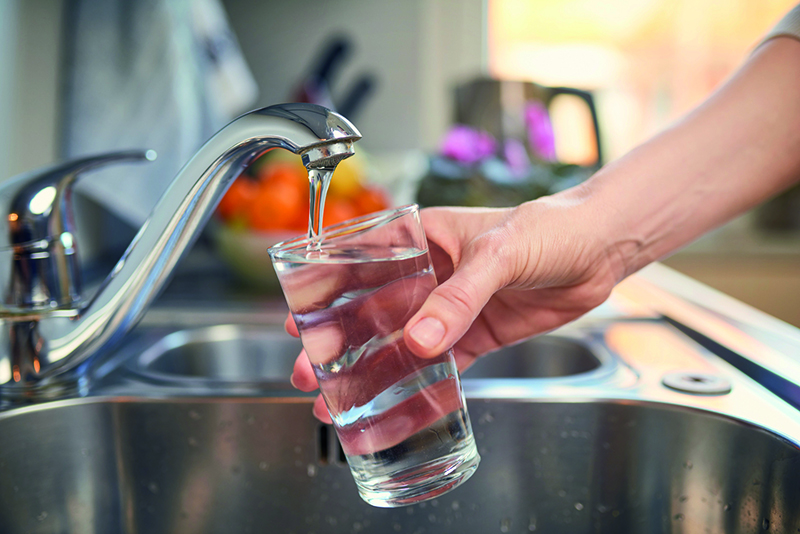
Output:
[[422, 482]]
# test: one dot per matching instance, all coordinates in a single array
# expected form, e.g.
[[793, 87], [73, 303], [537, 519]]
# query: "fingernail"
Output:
[[291, 380], [428, 333]]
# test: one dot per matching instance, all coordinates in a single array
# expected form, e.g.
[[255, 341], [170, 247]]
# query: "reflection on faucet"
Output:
[[45, 341]]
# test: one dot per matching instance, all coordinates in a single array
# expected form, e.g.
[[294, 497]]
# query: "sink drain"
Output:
[[697, 383]]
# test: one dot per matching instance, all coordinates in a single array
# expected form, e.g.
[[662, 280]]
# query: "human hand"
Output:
[[508, 274], [505, 275]]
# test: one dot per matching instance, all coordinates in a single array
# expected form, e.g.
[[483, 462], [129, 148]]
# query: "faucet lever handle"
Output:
[[39, 268]]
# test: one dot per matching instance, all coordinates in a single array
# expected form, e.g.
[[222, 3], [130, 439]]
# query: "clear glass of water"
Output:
[[402, 420]]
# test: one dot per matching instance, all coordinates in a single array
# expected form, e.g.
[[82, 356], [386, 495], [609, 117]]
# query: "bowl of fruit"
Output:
[[268, 204]]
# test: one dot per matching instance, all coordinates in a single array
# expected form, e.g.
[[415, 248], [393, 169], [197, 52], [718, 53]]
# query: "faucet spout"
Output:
[[61, 341]]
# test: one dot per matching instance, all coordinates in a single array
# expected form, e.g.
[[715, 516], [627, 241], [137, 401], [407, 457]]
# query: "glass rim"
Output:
[[345, 228]]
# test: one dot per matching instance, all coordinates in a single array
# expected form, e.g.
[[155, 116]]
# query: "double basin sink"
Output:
[[194, 428]]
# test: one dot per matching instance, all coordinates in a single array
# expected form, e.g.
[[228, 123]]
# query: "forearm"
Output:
[[737, 149]]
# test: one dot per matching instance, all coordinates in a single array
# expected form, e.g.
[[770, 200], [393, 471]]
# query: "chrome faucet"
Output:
[[47, 332]]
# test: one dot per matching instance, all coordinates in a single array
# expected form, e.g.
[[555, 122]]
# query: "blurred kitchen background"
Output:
[[460, 102]]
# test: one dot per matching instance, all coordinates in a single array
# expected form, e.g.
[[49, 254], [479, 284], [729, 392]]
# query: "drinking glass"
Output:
[[402, 420]]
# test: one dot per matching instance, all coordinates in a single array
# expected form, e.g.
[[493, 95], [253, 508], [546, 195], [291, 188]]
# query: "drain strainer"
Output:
[[697, 383]]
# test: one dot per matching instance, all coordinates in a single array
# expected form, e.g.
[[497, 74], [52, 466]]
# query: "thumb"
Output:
[[451, 308]]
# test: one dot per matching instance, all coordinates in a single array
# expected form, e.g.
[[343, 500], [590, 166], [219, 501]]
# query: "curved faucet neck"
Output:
[[321, 137]]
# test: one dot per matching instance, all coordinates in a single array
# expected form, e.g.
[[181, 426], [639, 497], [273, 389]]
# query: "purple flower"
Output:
[[540, 131], [467, 145], [516, 157]]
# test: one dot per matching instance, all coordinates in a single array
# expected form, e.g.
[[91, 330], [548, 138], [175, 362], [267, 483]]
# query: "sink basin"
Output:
[[265, 354], [548, 356], [127, 465], [223, 353]]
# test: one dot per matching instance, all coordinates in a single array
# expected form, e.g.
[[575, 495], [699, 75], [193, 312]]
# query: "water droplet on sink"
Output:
[[432, 518], [397, 527], [194, 415], [485, 418], [85, 453], [42, 516], [564, 434], [727, 507], [435, 504], [193, 442], [455, 505], [578, 506], [505, 525], [765, 524], [311, 470], [298, 449], [357, 527], [679, 517], [153, 487], [263, 466], [532, 523], [602, 508], [688, 465], [562, 493], [250, 420]]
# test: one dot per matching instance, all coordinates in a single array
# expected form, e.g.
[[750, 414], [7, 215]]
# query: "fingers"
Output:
[[452, 307], [290, 326], [303, 379], [321, 410], [303, 374]]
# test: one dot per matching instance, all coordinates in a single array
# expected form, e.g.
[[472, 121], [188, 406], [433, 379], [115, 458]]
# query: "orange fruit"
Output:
[[239, 195], [279, 205], [370, 199], [288, 172], [338, 210]]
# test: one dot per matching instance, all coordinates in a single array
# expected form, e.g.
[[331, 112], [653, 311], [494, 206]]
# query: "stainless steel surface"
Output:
[[758, 345], [220, 354], [40, 351], [542, 357], [211, 466], [190, 432], [698, 383], [235, 353]]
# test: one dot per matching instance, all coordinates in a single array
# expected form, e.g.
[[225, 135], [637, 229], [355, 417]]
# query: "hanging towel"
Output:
[[159, 74]]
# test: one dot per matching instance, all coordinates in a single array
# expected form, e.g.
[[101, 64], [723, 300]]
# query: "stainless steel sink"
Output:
[[265, 465], [547, 356], [264, 354], [193, 428], [222, 353]]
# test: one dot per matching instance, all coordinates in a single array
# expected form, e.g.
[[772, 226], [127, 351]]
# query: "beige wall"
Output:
[[418, 48]]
